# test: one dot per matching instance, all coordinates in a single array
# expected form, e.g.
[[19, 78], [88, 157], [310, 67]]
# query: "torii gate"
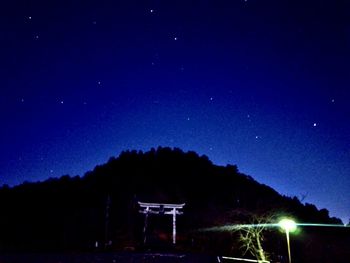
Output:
[[159, 209]]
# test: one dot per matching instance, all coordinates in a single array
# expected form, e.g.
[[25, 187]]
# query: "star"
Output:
[[152, 10], [61, 102], [257, 137], [315, 124], [332, 100], [99, 82], [211, 98], [36, 37], [22, 100], [188, 118], [94, 22], [248, 117], [175, 38]]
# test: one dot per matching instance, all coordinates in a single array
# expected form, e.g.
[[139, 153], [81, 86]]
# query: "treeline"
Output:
[[100, 211]]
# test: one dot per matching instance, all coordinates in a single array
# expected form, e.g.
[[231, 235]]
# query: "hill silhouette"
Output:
[[99, 210]]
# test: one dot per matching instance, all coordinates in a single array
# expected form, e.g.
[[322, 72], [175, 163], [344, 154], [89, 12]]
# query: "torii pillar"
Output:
[[159, 209]]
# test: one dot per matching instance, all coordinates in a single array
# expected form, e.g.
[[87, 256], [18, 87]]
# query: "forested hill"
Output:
[[78, 213]]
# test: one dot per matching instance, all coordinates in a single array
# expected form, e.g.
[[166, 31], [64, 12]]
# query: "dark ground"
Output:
[[107, 258]]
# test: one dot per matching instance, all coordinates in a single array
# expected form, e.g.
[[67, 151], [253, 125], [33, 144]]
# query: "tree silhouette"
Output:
[[69, 213]]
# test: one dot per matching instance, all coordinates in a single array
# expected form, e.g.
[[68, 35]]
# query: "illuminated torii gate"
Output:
[[161, 209]]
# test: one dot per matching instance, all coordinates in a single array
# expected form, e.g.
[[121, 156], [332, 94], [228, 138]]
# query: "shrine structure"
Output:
[[161, 209]]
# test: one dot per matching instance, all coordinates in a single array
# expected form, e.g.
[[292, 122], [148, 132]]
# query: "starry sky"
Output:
[[257, 83]]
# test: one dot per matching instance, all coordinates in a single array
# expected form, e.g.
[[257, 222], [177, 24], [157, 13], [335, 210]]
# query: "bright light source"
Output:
[[288, 225]]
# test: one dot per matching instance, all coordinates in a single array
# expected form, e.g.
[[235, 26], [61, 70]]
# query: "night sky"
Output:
[[257, 83]]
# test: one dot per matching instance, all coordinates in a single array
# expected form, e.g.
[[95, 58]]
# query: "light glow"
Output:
[[288, 225]]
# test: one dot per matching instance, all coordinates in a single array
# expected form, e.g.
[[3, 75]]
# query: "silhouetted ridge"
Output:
[[73, 213]]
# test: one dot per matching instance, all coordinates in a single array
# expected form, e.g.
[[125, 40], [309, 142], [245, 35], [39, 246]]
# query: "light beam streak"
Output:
[[241, 226]]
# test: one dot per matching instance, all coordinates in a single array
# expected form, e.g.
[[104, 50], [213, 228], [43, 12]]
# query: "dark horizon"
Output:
[[108, 211]]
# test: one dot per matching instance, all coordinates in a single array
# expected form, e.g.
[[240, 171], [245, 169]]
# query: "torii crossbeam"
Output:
[[161, 209]]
